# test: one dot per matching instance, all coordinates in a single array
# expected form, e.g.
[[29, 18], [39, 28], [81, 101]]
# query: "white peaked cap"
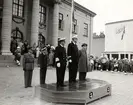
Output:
[[62, 39], [18, 47], [75, 36]]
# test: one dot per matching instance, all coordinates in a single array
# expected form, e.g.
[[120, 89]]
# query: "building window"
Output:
[[124, 56], [74, 27], [86, 29], [61, 22], [115, 56], [18, 8], [42, 15]]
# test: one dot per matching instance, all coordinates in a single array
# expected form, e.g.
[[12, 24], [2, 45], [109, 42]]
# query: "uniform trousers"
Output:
[[73, 68], [43, 75], [21, 60], [82, 76], [60, 73], [28, 77]]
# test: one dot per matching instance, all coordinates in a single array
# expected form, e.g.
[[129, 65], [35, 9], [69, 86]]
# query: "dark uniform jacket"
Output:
[[43, 59], [72, 52], [28, 61], [60, 53]]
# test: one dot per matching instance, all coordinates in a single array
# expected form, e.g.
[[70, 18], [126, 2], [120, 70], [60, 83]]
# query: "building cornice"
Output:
[[80, 7], [117, 52], [119, 22]]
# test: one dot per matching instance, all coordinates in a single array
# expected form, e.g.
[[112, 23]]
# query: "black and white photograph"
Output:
[[66, 52]]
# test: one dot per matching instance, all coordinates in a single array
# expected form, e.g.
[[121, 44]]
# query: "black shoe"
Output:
[[76, 81], [63, 85], [29, 86]]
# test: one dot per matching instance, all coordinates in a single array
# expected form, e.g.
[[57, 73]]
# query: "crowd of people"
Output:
[[19, 48], [118, 65]]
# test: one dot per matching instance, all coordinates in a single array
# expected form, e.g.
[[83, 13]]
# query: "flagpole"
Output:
[[71, 19]]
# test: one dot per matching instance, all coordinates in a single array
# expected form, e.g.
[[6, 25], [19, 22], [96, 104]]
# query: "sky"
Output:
[[108, 11]]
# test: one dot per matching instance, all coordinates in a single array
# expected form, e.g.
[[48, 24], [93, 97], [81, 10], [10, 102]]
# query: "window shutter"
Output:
[[62, 25], [73, 28], [76, 29]]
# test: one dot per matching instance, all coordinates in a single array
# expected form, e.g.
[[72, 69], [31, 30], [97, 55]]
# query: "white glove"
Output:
[[58, 64], [56, 59], [70, 61]]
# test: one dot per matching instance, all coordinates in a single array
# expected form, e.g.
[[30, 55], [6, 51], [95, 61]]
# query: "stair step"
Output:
[[6, 57], [8, 60]]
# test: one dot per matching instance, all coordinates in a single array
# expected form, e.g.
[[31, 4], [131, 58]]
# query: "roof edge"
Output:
[[119, 21], [80, 7]]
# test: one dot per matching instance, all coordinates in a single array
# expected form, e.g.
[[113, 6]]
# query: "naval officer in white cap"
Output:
[[60, 61], [72, 53]]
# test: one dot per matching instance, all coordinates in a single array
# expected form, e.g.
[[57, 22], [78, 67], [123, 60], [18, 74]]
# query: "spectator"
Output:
[[51, 56], [13, 45], [96, 63], [91, 62], [18, 55], [34, 50], [131, 65], [20, 44], [24, 50], [48, 48]]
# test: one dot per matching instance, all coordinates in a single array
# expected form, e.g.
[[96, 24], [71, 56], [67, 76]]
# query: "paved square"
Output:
[[12, 91]]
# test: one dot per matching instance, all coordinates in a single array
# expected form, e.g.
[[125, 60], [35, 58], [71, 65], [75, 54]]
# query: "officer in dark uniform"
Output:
[[72, 53], [28, 67], [43, 64], [60, 61]]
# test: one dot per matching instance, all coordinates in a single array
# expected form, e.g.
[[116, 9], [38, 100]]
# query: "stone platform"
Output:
[[79, 93]]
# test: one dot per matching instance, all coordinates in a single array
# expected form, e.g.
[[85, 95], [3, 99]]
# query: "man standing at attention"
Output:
[[60, 61], [28, 67], [83, 66], [72, 53], [43, 65]]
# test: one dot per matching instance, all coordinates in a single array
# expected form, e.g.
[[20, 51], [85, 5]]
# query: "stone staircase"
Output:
[[7, 60]]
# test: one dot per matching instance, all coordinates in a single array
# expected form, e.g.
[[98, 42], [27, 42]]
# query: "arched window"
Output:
[[17, 34]]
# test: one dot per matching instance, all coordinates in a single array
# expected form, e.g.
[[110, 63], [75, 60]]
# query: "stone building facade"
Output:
[[43, 21]]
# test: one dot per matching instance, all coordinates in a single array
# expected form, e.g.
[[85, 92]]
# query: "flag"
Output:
[[73, 17], [123, 34]]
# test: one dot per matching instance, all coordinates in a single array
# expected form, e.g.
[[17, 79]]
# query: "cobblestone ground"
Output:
[[12, 91]]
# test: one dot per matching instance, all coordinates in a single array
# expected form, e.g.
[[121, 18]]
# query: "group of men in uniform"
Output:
[[61, 59]]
